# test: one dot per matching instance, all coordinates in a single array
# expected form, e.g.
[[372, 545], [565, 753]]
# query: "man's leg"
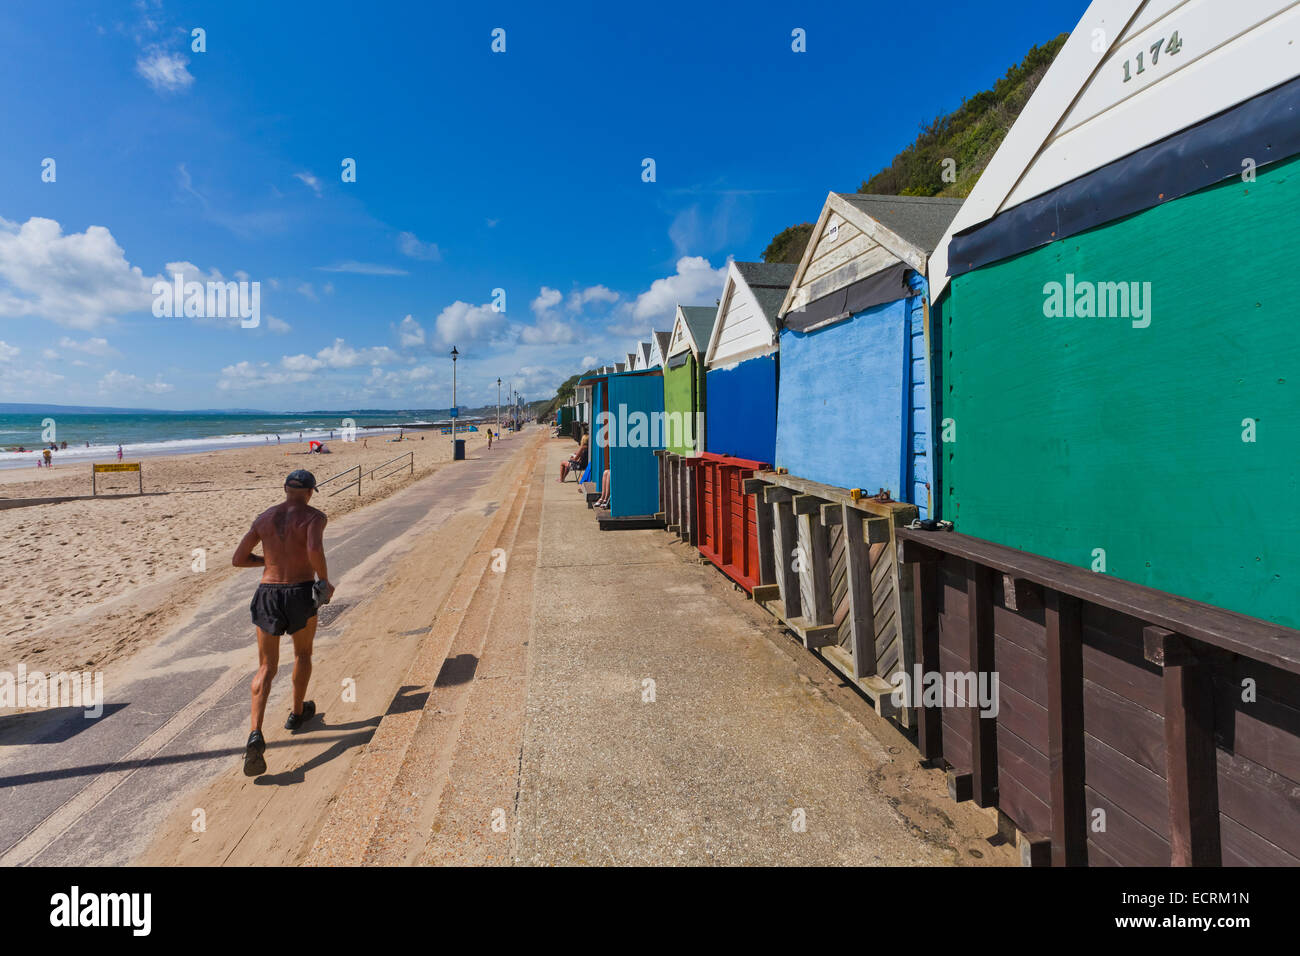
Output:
[[302, 641], [268, 662]]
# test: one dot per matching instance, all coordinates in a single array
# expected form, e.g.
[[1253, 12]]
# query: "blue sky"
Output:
[[475, 171]]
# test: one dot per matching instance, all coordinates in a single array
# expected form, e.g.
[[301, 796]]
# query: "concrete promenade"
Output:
[[609, 700]]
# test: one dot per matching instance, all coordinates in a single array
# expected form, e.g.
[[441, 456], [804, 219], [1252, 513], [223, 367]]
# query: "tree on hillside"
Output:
[[789, 244], [968, 136]]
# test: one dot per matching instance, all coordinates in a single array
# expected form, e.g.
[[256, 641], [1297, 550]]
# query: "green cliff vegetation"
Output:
[[949, 154]]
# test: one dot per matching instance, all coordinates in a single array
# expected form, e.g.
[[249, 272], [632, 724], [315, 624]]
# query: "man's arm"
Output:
[[316, 549], [244, 556]]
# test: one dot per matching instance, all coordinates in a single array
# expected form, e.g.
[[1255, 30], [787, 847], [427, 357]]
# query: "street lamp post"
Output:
[[498, 403], [454, 355]]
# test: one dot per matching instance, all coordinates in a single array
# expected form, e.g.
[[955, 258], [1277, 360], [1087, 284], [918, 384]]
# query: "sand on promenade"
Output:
[[85, 582]]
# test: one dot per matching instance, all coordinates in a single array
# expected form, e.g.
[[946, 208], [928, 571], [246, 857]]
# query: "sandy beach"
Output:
[[87, 581]]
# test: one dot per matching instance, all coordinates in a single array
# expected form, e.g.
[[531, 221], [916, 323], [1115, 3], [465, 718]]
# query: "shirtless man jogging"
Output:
[[293, 557]]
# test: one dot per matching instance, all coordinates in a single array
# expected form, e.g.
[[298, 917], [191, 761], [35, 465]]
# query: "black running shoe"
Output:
[[254, 762], [297, 720]]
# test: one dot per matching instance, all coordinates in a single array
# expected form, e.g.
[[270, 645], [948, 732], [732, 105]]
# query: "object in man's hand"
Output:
[[321, 591]]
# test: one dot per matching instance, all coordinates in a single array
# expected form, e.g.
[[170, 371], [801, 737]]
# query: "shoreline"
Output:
[[101, 454], [93, 579], [23, 472]]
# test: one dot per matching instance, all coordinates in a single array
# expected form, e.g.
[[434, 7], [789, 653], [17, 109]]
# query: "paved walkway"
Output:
[[745, 755], [529, 690]]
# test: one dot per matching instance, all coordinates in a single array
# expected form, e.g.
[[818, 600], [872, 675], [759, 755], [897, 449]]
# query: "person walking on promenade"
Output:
[[295, 580]]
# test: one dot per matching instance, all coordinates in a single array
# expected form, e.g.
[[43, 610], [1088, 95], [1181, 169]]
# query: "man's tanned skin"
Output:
[[293, 552]]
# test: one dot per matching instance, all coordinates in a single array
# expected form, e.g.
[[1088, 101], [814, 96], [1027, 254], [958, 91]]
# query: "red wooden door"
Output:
[[706, 524]]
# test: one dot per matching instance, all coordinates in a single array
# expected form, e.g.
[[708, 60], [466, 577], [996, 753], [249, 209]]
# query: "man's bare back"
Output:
[[289, 532]]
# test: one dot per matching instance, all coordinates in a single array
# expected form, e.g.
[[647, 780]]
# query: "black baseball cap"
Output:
[[301, 479]]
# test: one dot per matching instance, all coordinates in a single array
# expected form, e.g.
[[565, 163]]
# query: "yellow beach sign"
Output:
[[96, 470]]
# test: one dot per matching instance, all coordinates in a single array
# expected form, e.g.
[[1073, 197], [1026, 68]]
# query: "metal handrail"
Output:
[[356, 468], [409, 454]]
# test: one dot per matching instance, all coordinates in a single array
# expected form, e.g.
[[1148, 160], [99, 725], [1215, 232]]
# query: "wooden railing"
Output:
[[1119, 685], [828, 572]]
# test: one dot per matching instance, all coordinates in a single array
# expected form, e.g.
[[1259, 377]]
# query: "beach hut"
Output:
[[1094, 259], [582, 402], [684, 404], [853, 437], [659, 348], [626, 433], [643, 352], [740, 418], [740, 361], [1120, 404], [855, 403], [596, 385]]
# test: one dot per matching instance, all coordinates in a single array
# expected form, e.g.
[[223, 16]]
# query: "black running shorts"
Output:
[[283, 608]]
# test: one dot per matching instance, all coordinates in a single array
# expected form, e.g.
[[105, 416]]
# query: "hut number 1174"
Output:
[[1170, 46]]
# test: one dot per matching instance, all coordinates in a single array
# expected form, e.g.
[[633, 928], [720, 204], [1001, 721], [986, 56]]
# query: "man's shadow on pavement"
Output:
[[404, 701], [365, 729]]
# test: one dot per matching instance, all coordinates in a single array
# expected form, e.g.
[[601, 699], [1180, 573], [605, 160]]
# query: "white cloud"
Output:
[[364, 268], [300, 363], [278, 326], [550, 331], [341, 355], [410, 333], [8, 352], [305, 289], [116, 382], [309, 180], [246, 375], [695, 283], [81, 280], [546, 300], [410, 245], [461, 322], [401, 383], [580, 298], [23, 381], [166, 72], [93, 346]]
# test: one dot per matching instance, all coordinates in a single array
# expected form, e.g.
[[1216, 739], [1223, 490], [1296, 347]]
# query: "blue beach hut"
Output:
[[856, 403], [741, 361]]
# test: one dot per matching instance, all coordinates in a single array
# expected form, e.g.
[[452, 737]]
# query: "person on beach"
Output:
[[46, 455], [119, 452], [294, 575], [489, 431]]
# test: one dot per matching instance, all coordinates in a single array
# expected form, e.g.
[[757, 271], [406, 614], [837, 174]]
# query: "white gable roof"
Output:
[[848, 244], [691, 329], [1085, 114], [745, 327]]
